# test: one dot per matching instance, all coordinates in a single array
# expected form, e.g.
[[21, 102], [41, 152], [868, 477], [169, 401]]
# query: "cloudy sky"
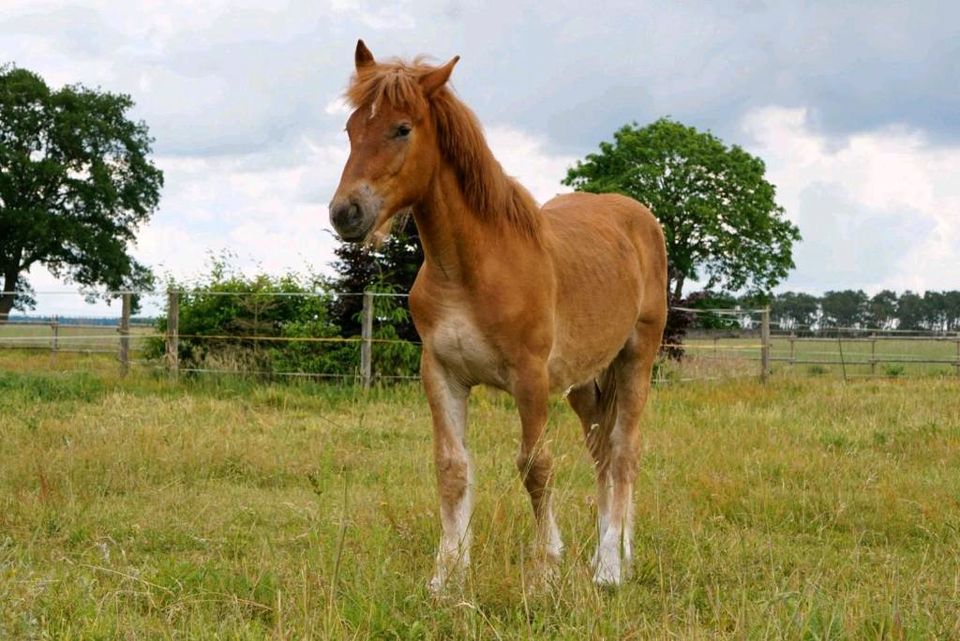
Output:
[[854, 106]]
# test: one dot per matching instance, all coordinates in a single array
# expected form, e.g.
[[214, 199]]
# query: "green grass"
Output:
[[141, 508]]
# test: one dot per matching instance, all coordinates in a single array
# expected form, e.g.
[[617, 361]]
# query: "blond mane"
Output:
[[492, 194]]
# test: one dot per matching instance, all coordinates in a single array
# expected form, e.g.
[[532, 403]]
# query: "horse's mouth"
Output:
[[354, 238]]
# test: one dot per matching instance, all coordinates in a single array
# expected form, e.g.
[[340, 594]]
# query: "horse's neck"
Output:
[[452, 234]]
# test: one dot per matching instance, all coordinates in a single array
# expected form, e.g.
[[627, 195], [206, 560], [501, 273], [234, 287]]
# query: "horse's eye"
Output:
[[402, 131]]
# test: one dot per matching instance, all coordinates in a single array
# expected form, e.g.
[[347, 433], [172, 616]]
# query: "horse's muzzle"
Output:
[[350, 221]]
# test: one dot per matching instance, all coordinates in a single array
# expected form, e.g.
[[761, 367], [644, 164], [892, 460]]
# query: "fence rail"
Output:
[[756, 347]]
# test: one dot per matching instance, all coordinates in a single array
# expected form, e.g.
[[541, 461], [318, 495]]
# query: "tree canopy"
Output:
[[722, 224], [75, 185]]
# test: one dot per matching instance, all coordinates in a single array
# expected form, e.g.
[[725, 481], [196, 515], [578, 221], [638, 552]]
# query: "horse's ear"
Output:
[[362, 58], [438, 77]]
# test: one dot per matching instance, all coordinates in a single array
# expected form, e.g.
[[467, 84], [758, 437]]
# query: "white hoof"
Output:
[[437, 585], [606, 576], [607, 563], [448, 577]]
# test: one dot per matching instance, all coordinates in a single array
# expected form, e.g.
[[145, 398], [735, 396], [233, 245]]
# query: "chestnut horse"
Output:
[[570, 297]]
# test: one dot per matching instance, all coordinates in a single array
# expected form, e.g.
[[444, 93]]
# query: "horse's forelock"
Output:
[[394, 81]]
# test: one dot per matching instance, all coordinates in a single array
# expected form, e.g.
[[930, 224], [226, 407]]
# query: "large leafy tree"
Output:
[[723, 225], [75, 185]]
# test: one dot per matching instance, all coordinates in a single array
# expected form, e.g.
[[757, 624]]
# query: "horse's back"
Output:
[[582, 224]]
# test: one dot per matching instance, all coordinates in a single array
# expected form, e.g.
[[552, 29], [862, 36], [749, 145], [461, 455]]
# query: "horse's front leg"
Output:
[[531, 390], [448, 406]]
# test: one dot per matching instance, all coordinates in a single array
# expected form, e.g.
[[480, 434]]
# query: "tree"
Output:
[[910, 311], [393, 266], [952, 304], [795, 310], [935, 310], [845, 308], [718, 212], [75, 185], [882, 309]]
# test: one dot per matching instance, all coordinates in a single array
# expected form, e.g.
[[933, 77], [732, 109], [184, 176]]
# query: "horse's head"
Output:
[[393, 143]]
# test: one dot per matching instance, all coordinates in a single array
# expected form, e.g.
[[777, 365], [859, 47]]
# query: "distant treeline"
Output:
[[932, 311]]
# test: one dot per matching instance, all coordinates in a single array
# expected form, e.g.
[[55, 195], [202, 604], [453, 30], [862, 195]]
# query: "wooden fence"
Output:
[[735, 349]]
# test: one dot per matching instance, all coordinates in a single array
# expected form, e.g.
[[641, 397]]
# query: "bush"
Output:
[[233, 322]]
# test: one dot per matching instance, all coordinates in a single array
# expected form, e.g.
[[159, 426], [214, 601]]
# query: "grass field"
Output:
[[140, 508], [895, 357], [69, 338]]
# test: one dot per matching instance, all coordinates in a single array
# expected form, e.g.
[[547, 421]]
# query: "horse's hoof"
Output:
[[606, 576], [442, 585], [436, 586]]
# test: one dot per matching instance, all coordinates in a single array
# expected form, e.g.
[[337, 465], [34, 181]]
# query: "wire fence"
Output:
[[145, 332]]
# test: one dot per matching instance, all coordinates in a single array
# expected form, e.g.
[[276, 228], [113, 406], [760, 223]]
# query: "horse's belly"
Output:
[[571, 369], [582, 349]]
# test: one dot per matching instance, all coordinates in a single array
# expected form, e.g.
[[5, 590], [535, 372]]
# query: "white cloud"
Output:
[[376, 16], [337, 107], [525, 157], [880, 210]]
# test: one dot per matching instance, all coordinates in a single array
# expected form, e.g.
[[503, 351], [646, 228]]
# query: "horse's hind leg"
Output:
[[589, 403], [632, 370], [448, 406]]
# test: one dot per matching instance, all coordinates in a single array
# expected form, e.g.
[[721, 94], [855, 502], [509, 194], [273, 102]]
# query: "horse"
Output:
[[570, 298]]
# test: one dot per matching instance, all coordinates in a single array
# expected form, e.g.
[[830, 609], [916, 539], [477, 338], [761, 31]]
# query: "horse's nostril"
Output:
[[348, 219], [353, 215]]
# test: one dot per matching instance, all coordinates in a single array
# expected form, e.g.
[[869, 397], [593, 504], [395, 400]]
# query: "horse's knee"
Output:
[[535, 470], [453, 475]]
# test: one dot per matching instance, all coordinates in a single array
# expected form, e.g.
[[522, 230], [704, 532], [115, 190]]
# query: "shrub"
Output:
[[233, 322]]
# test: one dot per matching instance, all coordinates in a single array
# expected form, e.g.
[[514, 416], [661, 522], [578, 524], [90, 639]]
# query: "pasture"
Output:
[[217, 508], [68, 337]]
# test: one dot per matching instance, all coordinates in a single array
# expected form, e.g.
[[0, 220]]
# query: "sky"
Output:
[[854, 107]]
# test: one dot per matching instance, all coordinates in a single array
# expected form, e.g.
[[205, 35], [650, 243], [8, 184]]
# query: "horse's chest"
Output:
[[464, 350]]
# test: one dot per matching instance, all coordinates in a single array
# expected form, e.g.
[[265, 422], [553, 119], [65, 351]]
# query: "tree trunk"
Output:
[[677, 289], [11, 274]]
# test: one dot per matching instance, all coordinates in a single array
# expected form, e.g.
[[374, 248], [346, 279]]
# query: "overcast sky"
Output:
[[854, 106]]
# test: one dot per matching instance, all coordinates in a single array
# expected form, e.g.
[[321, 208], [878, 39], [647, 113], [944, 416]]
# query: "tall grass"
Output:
[[142, 508]]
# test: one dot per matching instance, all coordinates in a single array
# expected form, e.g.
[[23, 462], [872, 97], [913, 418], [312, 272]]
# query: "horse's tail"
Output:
[[606, 387], [607, 396]]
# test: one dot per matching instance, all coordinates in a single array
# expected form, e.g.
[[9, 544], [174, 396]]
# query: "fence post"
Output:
[[124, 330], [55, 340], [793, 353], [173, 332], [873, 355], [366, 343], [765, 345], [958, 358]]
